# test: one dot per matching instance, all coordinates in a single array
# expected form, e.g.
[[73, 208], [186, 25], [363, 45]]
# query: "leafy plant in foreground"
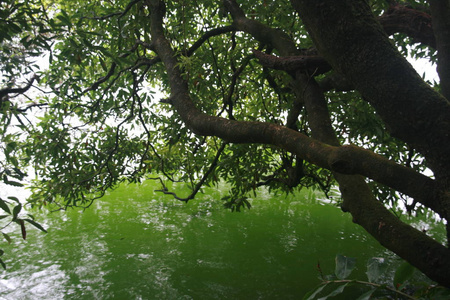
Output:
[[14, 216], [379, 284]]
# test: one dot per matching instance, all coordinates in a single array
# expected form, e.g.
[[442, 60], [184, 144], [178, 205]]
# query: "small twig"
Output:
[[103, 79], [120, 13], [198, 186]]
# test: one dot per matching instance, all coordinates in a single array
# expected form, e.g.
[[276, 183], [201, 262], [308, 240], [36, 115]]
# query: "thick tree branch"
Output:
[[412, 110], [407, 242], [318, 116], [398, 19], [313, 65], [270, 36], [440, 11], [417, 248], [359, 200], [266, 133], [414, 23], [7, 91]]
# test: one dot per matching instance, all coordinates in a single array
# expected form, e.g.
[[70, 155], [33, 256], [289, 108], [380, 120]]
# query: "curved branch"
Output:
[[314, 65], [199, 185], [103, 79], [414, 23], [275, 38], [120, 13], [7, 91], [207, 35], [334, 158]]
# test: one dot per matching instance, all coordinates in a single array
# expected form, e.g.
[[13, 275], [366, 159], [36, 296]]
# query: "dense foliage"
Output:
[[251, 93]]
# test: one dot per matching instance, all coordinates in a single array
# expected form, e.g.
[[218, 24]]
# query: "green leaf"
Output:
[[376, 266], [367, 295], [14, 199], [11, 146], [311, 295], [13, 183], [439, 293], [35, 224], [2, 263], [344, 266], [247, 203], [4, 206], [64, 18], [13, 161], [7, 237], [14, 28], [23, 229], [335, 292], [403, 273], [16, 210]]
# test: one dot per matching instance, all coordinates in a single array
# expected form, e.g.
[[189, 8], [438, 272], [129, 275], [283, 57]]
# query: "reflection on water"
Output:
[[135, 244]]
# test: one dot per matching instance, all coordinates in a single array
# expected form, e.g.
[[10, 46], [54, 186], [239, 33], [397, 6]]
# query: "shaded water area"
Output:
[[138, 244]]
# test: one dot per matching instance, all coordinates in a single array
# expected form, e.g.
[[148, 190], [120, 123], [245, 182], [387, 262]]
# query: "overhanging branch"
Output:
[[321, 154], [314, 65]]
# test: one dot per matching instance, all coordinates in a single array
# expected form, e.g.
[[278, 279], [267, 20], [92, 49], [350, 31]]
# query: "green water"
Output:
[[138, 244]]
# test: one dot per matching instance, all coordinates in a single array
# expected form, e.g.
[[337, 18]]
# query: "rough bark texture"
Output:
[[416, 24], [421, 251], [405, 241], [314, 65]]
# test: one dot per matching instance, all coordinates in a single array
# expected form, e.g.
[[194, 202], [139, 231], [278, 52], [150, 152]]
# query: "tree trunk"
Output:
[[350, 38]]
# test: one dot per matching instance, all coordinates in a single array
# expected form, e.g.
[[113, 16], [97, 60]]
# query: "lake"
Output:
[[135, 243]]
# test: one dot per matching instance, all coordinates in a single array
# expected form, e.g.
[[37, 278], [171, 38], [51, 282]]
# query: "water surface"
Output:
[[138, 244]]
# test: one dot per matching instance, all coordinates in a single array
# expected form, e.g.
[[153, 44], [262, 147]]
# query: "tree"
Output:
[[278, 94], [24, 35]]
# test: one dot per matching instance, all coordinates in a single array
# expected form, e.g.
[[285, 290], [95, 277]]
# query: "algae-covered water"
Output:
[[138, 244]]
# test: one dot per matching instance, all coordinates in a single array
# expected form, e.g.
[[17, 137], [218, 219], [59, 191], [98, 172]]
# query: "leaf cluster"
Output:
[[380, 283]]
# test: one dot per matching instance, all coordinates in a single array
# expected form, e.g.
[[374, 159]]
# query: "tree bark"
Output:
[[407, 242], [349, 37], [440, 10], [414, 23]]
